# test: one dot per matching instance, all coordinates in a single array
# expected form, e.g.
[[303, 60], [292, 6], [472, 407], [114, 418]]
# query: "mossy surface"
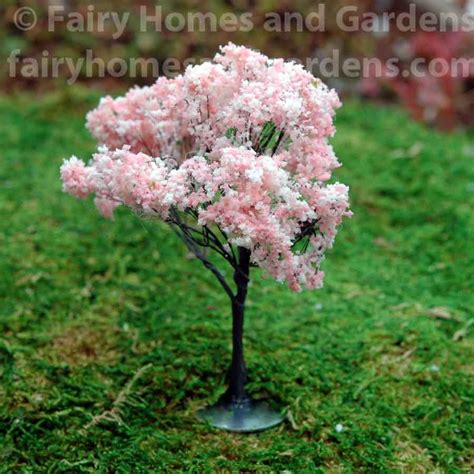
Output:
[[111, 337]]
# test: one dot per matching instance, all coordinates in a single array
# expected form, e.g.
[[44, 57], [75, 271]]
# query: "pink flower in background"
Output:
[[239, 144]]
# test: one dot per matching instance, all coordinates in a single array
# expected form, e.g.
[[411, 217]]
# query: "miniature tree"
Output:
[[234, 156]]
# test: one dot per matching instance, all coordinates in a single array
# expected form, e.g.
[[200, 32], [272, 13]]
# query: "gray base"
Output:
[[243, 417]]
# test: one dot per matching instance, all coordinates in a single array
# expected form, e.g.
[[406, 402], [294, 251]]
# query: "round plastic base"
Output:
[[242, 417]]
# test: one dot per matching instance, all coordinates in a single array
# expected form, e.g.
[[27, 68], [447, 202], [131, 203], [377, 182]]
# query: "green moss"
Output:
[[384, 349]]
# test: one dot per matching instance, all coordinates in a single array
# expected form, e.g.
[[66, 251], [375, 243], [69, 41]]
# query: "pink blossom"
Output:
[[242, 142], [106, 206], [76, 178]]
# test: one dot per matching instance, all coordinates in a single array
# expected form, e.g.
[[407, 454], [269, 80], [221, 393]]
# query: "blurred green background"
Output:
[[444, 101]]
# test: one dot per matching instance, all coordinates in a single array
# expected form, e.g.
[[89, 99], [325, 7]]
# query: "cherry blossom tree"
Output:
[[234, 156]]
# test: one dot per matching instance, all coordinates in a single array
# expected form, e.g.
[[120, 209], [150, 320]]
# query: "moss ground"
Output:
[[111, 338]]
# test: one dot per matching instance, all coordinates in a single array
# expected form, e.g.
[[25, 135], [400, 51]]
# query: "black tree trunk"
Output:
[[238, 372]]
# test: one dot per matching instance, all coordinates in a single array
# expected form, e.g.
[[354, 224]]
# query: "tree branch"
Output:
[[180, 228]]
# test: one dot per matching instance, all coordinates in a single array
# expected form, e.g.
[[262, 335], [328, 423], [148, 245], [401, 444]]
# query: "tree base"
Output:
[[244, 416]]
